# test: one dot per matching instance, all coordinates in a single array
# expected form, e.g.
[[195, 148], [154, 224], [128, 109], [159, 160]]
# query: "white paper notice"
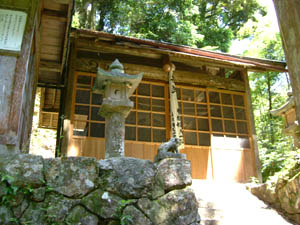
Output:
[[12, 25]]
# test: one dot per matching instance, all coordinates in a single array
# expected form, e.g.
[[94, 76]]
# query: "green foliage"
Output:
[[11, 191], [197, 23], [124, 219], [254, 180], [290, 169], [277, 158], [11, 194], [276, 150]]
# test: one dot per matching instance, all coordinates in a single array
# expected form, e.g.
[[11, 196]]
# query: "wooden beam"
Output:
[[55, 5], [192, 60], [50, 66], [50, 85], [91, 44], [61, 19], [66, 43], [68, 98], [145, 61], [254, 152], [62, 1], [54, 15], [105, 47], [50, 110], [156, 73]]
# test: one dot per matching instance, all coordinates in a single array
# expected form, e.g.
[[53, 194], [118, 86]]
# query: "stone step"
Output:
[[207, 204], [231, 204], [211, 214], [210, 222]]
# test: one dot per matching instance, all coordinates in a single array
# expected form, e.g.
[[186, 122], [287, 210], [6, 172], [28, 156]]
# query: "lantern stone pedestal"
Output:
[[117, 87]]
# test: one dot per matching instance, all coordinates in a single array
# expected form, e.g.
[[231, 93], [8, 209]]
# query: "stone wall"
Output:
[[82, 190], [284, 196]]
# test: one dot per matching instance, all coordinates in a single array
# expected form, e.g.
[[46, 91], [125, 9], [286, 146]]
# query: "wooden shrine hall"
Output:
[[212, 92], [212, 88]]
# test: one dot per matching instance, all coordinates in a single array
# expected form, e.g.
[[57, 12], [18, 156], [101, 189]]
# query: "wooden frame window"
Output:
[[209, 117], [213, 117], [147, 121], [49, 107], [86, 120]]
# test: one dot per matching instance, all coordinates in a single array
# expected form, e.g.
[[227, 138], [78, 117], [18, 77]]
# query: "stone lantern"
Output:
[[116, 87], [288, 112]]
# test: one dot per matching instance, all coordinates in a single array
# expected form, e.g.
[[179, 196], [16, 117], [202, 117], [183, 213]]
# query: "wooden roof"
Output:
[[53, 34], [290, 103], [178, 53]]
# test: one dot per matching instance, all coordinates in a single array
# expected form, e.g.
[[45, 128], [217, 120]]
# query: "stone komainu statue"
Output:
[[169, 150], [170, 146]]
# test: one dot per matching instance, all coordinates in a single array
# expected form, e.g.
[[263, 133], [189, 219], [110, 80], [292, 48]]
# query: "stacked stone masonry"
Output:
[[85, 191], [284, 196]]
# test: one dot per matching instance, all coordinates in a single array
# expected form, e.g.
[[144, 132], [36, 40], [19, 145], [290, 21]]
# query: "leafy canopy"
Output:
[[269, 90], [196, 23]]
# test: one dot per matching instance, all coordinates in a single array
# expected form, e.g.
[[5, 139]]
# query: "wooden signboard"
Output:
[[12, 25]]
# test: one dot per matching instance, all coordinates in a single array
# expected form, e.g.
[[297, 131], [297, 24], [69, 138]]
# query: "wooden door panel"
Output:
[[89, 147], [228, 165], [199, 159], [249, 163]]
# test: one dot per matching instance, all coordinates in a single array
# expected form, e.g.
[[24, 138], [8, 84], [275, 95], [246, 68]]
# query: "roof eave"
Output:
[[251, 64]]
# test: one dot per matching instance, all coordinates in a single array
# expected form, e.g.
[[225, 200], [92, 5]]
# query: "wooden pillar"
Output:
[[16, 82], [70, 85], [288, 14], [255, 154]]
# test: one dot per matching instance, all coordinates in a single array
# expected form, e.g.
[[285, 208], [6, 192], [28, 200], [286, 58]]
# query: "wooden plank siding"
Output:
[[199, 157], [52, 5], [49, 108], [95, 147], [17, 82], [228, 165]]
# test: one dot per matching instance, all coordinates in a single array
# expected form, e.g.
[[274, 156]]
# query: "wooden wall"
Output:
[[17, 81], [217, 164], [236, 165], [200, 160], [95, 147]]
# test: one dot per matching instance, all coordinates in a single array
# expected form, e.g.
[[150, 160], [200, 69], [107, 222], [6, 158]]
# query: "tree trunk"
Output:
[[270, 108], [288, 13], [93, 15], [100, 26]]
